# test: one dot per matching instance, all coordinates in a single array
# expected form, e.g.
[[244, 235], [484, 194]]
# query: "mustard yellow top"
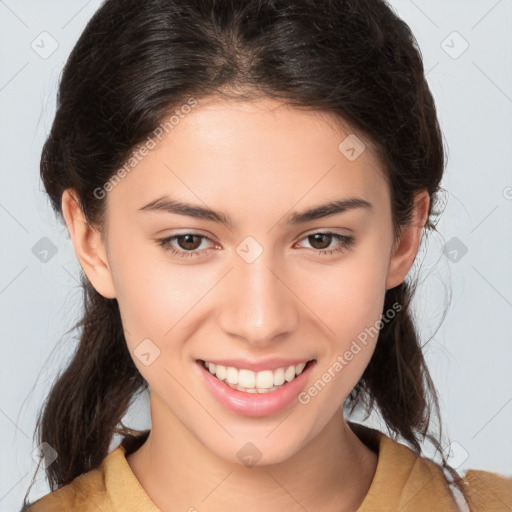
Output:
[[403, 482]]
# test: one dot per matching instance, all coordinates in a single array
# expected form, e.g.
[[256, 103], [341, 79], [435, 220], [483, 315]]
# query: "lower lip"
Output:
[[255, 404]]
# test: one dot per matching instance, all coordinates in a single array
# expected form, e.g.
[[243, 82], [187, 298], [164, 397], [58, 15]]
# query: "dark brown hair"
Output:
[[136, 62]]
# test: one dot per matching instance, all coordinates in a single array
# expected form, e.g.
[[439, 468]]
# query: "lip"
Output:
[[259, 366], [254, 404]]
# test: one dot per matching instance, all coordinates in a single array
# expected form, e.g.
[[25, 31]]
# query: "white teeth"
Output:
[[299, 368], [220, 371], [255, 382], [246, 378], [278, 377], [231, 375], [289, 374], [265, 379]]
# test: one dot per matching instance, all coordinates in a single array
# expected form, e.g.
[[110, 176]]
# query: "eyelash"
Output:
[[345, 242]]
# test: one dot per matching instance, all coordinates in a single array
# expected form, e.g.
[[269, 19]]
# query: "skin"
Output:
[[257, 162]]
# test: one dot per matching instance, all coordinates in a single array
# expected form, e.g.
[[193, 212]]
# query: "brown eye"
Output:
[[188, 243], [320, 240]]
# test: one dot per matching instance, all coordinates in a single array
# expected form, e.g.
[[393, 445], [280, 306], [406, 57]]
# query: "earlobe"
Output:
[[408, 245], [88, 245]]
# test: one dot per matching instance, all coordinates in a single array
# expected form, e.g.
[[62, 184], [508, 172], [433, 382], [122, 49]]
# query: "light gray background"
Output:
[[470, 354]]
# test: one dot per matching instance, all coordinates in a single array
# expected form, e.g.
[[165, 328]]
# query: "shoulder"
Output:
[[487, 491], [478, 490], [86, 493], [407, 481], [482, 491], [110, 487]]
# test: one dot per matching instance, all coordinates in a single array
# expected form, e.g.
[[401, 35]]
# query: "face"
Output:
[[269, 289]]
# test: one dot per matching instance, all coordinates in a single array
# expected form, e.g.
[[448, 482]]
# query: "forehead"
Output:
[[254, 156]]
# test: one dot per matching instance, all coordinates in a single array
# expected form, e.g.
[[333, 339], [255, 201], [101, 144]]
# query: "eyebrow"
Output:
[[169, 205]]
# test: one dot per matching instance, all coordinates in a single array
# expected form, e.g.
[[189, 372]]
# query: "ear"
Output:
[[406, 248], [89, 247]]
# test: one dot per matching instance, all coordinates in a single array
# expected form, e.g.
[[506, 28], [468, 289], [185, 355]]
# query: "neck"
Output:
[[331, 472]]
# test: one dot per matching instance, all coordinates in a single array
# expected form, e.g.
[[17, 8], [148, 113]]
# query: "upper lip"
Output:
[[257, 366]]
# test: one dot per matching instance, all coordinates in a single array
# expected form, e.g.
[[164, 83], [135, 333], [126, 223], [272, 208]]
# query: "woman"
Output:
[[246, 186]]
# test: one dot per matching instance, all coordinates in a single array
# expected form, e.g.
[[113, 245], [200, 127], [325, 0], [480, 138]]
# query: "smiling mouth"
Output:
[[256, 382]]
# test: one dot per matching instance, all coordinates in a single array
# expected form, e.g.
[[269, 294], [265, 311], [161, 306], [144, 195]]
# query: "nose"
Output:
[[259, 304]]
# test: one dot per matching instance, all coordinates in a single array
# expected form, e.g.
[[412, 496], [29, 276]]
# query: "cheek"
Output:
[[348, 297], [155, 301], [156, 296], [349, 300], [351, 307], [144, 292]]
